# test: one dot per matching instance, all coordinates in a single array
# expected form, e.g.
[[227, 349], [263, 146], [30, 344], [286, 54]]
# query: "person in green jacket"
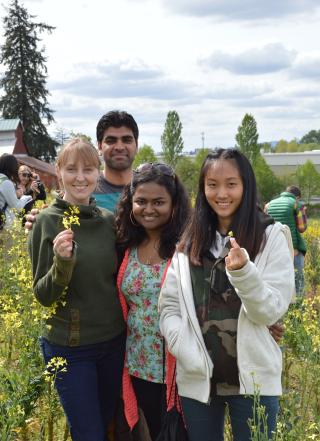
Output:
[[285, 209], [74, 275]]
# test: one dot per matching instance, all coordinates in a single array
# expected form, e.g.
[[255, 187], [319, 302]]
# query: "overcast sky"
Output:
[[210, 60]]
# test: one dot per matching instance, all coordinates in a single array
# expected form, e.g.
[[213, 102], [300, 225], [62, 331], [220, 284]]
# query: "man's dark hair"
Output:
[[9, 166], [117, 118], [294, 190]]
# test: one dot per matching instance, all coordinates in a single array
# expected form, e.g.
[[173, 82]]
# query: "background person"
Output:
[[117, 137], [150, 218], [285, 209], [218, 299], [86, 328], [32, 186], [10, 196]]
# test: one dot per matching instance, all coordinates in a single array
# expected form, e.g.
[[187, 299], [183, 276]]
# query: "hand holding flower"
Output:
[[63, 243]]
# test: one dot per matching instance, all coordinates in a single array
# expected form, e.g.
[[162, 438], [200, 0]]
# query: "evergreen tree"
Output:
[[24, 79], [247, 138], [171, 139]]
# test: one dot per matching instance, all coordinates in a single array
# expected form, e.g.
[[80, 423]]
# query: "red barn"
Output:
[[11, 141]]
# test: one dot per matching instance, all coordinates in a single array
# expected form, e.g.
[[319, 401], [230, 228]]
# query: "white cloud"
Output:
[[307, 67], [246, 10], [117, 80], [270, 58]]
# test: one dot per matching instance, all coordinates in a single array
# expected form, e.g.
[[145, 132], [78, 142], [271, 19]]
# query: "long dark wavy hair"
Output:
[[248, 223], [130, 235]]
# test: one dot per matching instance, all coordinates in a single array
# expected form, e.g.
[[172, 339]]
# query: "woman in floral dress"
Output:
[[150, 218]]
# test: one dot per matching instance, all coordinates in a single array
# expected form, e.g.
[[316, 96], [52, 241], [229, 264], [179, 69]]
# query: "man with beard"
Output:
[[117, 137]]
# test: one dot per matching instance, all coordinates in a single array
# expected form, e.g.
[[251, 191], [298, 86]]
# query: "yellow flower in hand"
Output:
[[71, 217]]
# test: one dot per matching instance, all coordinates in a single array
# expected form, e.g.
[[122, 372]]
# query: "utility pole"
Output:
[[202, 138]]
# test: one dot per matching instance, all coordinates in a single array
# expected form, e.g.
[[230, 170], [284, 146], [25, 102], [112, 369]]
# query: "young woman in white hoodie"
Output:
[[231, 278]]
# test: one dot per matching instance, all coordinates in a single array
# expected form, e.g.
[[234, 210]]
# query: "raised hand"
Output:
[[236, 258]]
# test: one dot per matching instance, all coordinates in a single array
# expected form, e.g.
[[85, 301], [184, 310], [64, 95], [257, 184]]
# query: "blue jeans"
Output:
[[90, 389], [298, 273], [206, 422]]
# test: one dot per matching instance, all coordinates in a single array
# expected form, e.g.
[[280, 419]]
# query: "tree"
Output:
[[293, 146], [308, 180], [247, 138], [268, 184], [266, 147], [171, 139], [186, 170], [24, 80], [83, 136], [311, 137], [282, 146], [199, 158], [145, 154], [61, 135]]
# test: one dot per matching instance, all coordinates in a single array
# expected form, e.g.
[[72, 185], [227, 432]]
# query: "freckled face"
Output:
[[223, 190], [152, 206]]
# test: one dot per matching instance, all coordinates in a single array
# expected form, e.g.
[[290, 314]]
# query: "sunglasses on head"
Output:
[[162, 168]]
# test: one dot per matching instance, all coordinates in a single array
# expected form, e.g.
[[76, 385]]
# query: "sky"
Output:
[[212, 61]]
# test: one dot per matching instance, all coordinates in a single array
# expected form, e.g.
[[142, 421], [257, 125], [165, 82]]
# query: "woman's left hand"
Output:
[[237, 258]]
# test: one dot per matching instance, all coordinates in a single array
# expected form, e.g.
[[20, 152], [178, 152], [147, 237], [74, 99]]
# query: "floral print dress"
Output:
[[141, 287]]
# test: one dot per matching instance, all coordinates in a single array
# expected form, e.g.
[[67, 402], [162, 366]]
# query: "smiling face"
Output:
[[223, 190], [118, 148], [25, 175], [79, 179], [151, 206]]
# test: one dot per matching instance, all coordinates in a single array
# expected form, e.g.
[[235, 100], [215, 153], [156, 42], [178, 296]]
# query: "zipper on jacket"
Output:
[[240, 377]]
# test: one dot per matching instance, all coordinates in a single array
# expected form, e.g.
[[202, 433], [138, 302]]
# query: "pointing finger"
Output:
[[234, 243]]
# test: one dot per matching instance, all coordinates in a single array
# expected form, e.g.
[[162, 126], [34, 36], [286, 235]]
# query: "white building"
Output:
[[286, 163]]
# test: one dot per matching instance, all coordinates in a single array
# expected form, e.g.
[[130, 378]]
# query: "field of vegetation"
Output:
[[29, 408]]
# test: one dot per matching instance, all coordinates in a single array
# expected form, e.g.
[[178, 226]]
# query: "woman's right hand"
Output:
[[63, 245]]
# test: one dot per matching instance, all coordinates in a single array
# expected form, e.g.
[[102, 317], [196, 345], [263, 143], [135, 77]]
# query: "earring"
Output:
[[132, 220], [172, 215]]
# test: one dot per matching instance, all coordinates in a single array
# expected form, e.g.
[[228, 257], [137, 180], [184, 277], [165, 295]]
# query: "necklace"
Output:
[[149, 256]]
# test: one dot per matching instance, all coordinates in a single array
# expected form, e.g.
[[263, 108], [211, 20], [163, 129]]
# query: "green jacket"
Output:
[[81, 288], [283, 209]]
